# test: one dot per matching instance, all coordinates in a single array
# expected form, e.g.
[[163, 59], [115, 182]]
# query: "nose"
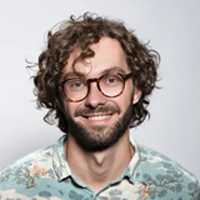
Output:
[[94, 98]]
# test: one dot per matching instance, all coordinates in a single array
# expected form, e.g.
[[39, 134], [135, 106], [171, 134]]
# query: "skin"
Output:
[[100, 167]]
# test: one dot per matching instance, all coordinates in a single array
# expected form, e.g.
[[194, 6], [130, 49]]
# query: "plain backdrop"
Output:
[[173, 29]]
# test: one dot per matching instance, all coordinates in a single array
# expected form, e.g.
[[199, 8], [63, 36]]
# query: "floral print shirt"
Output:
[[45, 175]]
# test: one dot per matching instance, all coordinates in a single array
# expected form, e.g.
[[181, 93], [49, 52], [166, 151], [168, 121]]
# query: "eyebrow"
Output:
[[114, 69], [71, 74]]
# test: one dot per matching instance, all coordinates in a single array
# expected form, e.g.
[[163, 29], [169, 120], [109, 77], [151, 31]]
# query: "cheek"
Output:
[[123, 101], [128, 92], [70, 108]]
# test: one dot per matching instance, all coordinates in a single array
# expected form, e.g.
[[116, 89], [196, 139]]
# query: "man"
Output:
[[95, 77]]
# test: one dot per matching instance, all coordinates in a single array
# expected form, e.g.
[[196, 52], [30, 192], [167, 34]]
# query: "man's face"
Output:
[[98, 122]]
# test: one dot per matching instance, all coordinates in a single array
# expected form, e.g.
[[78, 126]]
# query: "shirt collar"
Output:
[[63, 171], [130, 171], [60, 165]]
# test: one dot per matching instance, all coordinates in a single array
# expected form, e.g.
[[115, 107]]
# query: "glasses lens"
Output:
[[111, 85], [75, 89]]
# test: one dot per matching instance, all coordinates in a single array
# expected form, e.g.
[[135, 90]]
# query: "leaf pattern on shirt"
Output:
[[45, 175], [26, 173]]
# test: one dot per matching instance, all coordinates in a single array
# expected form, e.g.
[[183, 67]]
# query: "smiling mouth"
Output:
[[98, 117]]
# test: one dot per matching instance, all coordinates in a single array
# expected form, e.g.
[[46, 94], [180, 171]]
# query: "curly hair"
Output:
[[80, 33]]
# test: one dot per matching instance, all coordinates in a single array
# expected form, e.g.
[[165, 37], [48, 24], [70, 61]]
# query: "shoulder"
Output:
[[159, 173], [22, 174]]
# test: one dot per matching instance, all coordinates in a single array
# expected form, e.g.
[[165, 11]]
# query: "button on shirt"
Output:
[[45, 174]]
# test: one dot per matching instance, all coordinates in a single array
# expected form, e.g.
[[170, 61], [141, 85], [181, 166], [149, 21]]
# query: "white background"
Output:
[[173, 27]]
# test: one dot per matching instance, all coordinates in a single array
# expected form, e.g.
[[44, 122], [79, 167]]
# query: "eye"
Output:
[[75, 84], [112, 80]]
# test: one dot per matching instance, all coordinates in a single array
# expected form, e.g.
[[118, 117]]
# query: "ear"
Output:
[[137, 95]]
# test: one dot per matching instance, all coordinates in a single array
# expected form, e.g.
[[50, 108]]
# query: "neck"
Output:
[[97, 169]]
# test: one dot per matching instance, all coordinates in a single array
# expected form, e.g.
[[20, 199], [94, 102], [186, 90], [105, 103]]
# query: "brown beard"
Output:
[[98, 138]]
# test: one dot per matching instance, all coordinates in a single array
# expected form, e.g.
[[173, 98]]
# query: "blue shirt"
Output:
[[45, 174]]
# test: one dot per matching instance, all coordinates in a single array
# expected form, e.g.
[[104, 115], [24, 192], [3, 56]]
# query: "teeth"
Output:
[[99, 117]]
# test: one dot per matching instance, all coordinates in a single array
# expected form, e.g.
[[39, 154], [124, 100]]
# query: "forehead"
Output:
[[108, 55]]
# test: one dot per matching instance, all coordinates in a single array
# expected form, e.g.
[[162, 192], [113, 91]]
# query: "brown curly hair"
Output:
[[80, 33]]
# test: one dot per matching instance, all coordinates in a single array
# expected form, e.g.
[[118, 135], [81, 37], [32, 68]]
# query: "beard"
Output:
[[98, 138]]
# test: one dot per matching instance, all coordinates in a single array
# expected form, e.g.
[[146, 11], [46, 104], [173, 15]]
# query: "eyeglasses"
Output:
[[77, 88]]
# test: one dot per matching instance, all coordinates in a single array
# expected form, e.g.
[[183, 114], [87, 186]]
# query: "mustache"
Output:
[[102, 109]]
